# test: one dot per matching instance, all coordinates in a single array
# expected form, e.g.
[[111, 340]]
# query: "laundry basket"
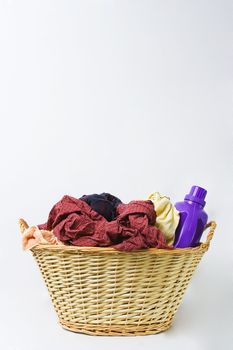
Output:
[[102, 291]]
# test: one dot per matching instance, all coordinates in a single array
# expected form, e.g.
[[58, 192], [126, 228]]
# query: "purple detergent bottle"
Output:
[[192, 218]]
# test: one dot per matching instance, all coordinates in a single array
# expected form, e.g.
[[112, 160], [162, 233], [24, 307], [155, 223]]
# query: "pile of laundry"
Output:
[[102, 220]]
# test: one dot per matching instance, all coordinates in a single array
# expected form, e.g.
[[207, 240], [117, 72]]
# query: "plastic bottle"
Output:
[[192, 218]]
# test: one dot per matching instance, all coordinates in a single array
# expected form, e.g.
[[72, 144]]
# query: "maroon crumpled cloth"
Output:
[[74, 222]]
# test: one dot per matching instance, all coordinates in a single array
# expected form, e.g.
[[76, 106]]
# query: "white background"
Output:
[[125, 96]]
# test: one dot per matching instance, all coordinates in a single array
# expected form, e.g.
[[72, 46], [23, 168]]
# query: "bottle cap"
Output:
[[197, 194]]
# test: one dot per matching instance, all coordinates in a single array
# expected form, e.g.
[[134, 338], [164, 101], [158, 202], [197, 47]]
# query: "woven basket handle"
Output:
[[22, 225], [212, 225]]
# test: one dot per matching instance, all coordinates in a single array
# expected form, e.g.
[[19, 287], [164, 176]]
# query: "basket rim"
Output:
[[110, 250]]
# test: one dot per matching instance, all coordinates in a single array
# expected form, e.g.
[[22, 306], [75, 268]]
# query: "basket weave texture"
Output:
[[102, 291]]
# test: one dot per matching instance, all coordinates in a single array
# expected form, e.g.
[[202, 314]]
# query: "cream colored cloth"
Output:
[[32, 236], [167, 217]]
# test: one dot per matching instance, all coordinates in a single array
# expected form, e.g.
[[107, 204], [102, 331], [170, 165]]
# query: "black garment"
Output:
[[104, 204]]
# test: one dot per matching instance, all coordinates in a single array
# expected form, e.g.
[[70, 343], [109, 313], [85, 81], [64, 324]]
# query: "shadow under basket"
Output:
[[101, 291]]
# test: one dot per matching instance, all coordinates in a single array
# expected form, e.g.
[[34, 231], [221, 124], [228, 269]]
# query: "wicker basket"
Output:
[[102, 291]]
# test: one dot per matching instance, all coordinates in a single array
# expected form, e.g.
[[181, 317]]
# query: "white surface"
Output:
[[121, 96]]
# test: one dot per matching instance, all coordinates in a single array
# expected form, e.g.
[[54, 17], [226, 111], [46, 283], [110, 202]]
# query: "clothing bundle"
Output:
[[167, 216], [102, 220]]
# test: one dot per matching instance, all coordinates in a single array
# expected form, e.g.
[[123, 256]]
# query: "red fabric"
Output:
[[74, 222]]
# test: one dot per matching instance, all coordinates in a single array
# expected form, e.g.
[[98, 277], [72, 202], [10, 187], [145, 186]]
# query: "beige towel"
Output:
[[32, 236], [167, 217]]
